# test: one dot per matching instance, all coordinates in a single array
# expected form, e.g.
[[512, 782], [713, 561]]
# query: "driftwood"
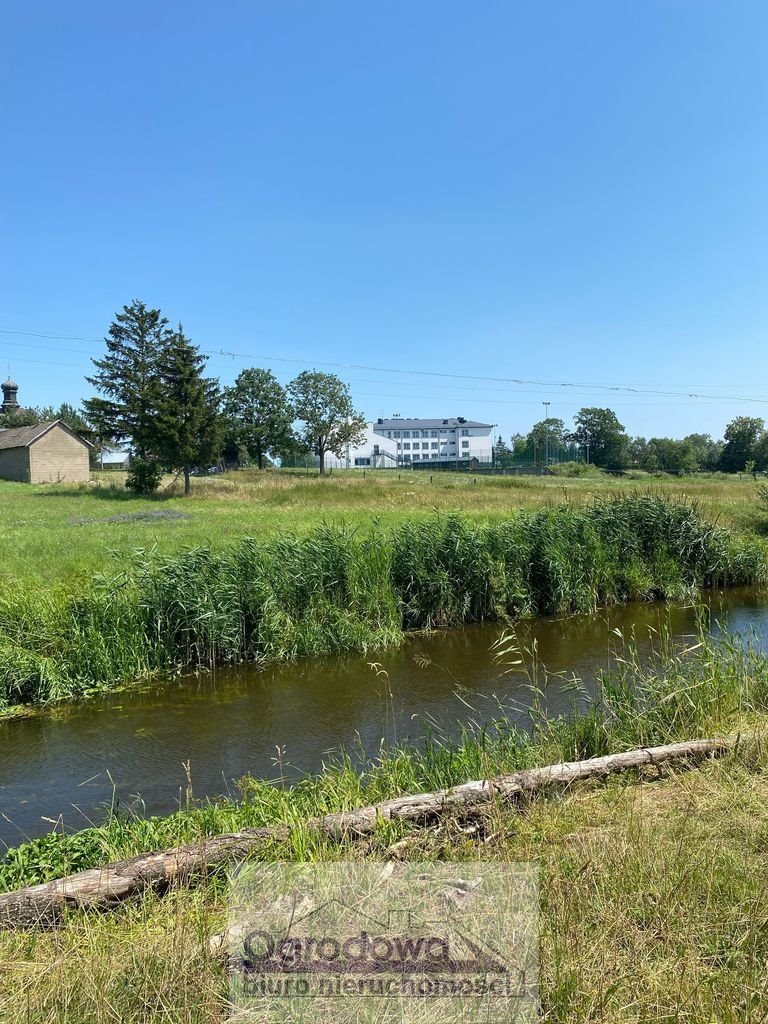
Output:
[[45, 905]]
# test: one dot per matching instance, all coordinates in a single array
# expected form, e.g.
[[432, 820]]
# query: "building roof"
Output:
[[23, 437], [401, 423]]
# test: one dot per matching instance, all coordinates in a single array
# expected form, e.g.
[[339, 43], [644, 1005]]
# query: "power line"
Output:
[[621, 403], [517, 381]]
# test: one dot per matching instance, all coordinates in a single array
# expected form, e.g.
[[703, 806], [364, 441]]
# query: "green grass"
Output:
[[58, 534], [337, 588], [653, 886]]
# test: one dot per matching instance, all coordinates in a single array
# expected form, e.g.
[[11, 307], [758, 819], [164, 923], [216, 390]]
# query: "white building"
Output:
[[398, 441], [374, 451]]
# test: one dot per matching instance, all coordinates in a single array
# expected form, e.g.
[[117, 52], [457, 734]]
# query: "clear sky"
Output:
[[565, 191]]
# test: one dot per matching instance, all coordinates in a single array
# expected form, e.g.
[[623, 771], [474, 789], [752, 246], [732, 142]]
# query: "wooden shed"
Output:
[[46, 453]]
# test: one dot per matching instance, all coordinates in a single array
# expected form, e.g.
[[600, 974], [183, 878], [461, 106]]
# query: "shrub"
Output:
[[144, 476]]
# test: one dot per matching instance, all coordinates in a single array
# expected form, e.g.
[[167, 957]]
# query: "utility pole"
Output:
[[546, 433]]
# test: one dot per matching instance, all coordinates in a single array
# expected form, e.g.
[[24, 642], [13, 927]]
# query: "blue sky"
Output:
[[556, 191]]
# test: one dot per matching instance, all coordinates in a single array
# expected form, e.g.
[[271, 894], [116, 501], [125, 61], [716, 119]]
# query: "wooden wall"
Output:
[[57, 456]]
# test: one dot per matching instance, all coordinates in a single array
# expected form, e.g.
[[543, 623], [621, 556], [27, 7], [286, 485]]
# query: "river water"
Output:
[[139, 747]]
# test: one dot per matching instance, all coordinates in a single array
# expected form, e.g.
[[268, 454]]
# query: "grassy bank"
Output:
[[340, 589], [651, 887]]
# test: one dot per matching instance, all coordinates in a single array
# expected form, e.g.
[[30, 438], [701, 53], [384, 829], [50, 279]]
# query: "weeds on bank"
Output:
[[340, 589], [708, 687]]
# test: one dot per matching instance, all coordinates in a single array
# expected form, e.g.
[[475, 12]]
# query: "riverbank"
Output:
[[650, 910], [129, 748], [651, 886], [705, 686], [341, 589]]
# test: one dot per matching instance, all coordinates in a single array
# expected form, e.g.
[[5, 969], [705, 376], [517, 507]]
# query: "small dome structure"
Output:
[[10, 401]]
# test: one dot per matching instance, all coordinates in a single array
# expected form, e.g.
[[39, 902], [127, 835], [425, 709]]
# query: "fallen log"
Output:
[[46, 905], [463, 798]]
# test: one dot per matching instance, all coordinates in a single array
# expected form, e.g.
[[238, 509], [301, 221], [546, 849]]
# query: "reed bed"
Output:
[[342, 589]]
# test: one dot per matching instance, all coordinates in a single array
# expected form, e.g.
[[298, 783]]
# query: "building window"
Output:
[[406, 433], [397, 433], [399, 444], [435, 444], [389, 433], [433, 433], [465, 444], [416, 444], [415, 457], [465, 433], [406, 444], [362, 462], [425, 433]]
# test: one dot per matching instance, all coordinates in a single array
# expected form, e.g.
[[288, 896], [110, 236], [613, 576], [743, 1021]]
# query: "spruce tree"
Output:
[[502, 454], [127, 377], [188, 426]]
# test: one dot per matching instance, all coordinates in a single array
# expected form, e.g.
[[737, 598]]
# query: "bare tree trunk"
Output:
[[46, 905], [322, 461], [187, 484]]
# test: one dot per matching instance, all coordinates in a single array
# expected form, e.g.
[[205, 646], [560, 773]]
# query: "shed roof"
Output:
[[23, 437]]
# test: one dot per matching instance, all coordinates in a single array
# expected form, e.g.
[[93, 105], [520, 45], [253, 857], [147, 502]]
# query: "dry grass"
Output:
[[653, 899]]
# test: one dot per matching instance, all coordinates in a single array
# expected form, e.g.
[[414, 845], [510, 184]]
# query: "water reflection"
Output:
[[72, 761]]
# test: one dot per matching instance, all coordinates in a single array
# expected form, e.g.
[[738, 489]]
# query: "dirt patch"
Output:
[[150, 516]]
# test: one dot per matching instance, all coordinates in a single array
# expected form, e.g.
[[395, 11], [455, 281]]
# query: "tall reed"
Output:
[[338, 589]]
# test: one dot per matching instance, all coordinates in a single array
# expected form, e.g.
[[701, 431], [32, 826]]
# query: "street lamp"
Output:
[[546, 433]]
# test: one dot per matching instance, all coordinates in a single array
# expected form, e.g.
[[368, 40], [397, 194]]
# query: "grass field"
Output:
[[57, 534]]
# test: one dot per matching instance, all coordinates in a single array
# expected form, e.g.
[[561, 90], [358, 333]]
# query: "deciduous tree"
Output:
[[707, 450], [742, 437], [259, 415], [599, 432], [321, 401], [546, 436]]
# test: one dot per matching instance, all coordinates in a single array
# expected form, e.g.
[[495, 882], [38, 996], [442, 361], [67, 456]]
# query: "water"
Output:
[[67, 764]]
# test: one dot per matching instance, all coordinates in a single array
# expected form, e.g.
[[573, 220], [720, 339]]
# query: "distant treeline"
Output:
[[155, 402], [599, 438]]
